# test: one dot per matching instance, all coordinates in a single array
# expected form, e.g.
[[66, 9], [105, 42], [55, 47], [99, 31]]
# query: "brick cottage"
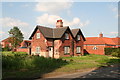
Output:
[[96, 45], [56, 42]]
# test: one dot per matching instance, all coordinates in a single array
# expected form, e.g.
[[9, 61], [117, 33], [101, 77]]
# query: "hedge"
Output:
[[112, 51]]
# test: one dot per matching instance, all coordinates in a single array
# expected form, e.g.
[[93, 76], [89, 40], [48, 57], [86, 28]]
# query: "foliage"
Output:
[[16, 37], [113, 51], [20, 60], [116, 54], [7, 48]]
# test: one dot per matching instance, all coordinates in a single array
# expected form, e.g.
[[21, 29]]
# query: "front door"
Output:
[[50, 51]]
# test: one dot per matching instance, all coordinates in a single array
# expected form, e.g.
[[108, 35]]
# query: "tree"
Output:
[[16, 37]]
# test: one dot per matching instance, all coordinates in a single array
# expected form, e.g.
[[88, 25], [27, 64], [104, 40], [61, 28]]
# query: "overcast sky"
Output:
[[91, 17]]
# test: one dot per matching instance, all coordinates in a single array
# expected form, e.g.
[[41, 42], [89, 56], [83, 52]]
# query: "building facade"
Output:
[[96, 45], [57, 42]]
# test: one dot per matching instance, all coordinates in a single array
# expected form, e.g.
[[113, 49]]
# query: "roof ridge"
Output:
[[44, 26]]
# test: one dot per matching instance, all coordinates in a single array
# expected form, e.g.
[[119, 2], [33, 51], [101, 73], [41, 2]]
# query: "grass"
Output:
[[21, 65]]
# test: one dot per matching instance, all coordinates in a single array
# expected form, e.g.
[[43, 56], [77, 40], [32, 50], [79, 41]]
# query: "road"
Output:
[[112, 71]]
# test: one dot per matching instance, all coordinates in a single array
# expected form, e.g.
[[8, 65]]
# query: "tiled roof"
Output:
[[99, 40], [50, 32], [75, 32], [55, 33], [116, 40]]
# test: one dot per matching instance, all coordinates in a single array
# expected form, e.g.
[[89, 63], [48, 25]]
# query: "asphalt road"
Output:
[[111, 72]]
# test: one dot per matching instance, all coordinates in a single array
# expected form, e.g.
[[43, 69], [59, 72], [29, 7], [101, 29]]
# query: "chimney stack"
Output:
[[101, 35], [59, 23]]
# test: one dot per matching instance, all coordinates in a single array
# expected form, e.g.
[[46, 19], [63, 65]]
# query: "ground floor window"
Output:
[[95, 48], [78, 49], [37, 50], [66, 50]]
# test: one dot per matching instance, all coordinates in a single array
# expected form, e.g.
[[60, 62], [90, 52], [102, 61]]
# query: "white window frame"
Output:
[[78, 37], [66, 50], [78, 49], [37, 50], [95, 48], [38, 35], [66, 36]]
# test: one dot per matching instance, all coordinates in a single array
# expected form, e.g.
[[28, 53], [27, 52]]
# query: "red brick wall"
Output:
[[65, 43], [38, 42], [90, 50], [79, 43]]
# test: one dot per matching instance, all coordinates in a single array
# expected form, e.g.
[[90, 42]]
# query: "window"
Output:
[[38, 35], [66, 50], [78, 49], [78, 37], [95, 48], [37, 50], [66, 36]]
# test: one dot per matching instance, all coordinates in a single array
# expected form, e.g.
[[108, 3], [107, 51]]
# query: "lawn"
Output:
[[17, 65]]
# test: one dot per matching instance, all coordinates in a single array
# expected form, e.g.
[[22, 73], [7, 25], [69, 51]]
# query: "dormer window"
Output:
[[38, 35], [78, 37], [66, 36]]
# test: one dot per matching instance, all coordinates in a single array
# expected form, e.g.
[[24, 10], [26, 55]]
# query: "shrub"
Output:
[[20, 60], [112, 51], [116, 54], [109, 51]]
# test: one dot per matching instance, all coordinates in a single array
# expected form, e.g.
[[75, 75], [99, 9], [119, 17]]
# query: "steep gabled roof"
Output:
[[99, 40], [58, 32], [47, 32], [50, 32], [75, 32]]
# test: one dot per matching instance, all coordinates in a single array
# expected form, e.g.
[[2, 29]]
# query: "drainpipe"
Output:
[[53, 48]]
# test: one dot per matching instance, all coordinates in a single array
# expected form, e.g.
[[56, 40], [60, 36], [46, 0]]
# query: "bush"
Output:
[[20, 60], [112, 51], [116, 54]]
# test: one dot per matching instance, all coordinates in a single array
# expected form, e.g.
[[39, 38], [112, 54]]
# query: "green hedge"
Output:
[[112, 51]]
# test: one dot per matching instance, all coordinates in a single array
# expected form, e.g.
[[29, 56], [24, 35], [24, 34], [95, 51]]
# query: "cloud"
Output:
[[53, 7], [50, 20], [10, 22]]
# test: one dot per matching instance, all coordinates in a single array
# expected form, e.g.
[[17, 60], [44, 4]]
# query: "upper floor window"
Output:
[[38, 35], [66, 36], [78, 37]]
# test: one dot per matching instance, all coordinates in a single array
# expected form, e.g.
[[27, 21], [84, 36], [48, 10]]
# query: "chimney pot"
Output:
[[101, 35], [59, 23]]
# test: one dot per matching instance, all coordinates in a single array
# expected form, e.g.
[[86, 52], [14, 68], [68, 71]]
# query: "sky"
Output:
[[91, 17]]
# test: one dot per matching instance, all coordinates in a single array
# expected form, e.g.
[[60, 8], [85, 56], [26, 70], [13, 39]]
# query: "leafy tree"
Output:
[[16, 37]]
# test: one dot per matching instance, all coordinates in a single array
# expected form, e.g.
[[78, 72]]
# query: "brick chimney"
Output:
[[59, 23], [101, 35]]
